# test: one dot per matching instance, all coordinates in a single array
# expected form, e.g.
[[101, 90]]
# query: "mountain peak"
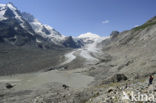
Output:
[[89, 35], [11, 6]]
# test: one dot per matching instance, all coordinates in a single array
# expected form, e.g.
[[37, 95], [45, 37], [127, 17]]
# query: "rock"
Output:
[[65, 86], [114, 34], [9, 86], [117, 78], [110, 90], [50, 69]]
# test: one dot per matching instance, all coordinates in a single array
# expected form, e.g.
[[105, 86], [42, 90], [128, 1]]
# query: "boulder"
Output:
[[9, 86], [116, 78], [65, 86], [119, 77], [110, 90]]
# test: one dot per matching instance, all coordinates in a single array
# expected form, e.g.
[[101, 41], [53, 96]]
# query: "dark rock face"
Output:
[[28, 17], [114, 34], [45, 30], [9, 13], [1, 40], [69, 42], [17, 36]]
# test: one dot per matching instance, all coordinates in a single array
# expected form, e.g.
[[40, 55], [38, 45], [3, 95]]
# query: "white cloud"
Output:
[[105, 22]]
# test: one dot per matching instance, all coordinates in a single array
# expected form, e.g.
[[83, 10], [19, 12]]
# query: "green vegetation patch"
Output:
[[144, 26]]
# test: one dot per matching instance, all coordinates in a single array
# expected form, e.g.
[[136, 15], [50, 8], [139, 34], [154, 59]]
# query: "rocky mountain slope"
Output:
[[132, 52], [127, 61], [23, 29]]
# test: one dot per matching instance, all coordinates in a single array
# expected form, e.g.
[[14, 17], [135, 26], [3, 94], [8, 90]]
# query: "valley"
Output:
[[38, 64]]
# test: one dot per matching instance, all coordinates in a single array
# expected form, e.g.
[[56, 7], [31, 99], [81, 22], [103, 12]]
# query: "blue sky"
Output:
[[74, 17]]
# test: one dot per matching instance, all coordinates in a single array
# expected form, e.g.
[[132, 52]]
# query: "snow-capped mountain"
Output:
[[22, 28], [45, 31], [88, 37], [9, 11], [14, 29]]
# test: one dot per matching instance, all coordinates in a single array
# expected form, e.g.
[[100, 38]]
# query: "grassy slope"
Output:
[[147, 24]]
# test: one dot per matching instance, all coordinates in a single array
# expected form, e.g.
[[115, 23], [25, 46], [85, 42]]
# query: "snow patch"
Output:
[[54, 36], [89, 35], [87, 55], [69, 57], [2, 12], [93, 47], [38, 41]]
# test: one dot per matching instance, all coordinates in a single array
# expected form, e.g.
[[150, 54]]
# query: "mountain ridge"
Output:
[[44, 35]]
